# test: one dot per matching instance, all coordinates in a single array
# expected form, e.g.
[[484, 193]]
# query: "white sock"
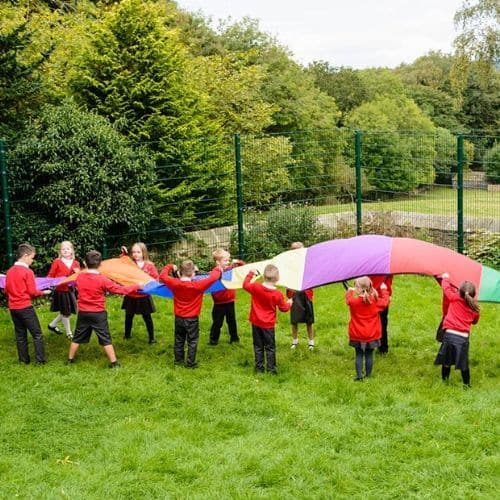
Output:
[[67, 324], [311, 341], [295, 341], [56, 320]]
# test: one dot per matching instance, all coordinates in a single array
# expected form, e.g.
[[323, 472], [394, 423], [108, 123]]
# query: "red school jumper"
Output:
[[188, 294], [459, 316], [264, 303], [364, 325], [20, 286], [59, 269]]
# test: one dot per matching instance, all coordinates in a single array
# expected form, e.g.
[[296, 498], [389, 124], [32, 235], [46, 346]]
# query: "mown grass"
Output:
[[438, 201], [149, 430]]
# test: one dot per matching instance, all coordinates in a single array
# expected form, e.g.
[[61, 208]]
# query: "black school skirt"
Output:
[[64, 302], [140, 305], [454, 351]]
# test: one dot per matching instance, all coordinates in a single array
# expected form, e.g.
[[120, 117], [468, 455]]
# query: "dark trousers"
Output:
[[26, 320], [264, 342], [148, 321], [384, 320], [186, 331], [367, 354], [219, 312]]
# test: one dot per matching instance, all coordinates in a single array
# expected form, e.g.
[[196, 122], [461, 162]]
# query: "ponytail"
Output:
[[467, 292], [365, 289]]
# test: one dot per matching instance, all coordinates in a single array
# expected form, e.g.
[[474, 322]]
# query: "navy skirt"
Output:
[[302, 310], [64, 302], [454, 351], [140, 305]]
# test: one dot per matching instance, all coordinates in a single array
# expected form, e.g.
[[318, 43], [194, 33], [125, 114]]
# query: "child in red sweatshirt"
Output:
[[462, 313], [265, 299], [92, 287], [20, 287], [224, 301], [365, 329], [188, 297]]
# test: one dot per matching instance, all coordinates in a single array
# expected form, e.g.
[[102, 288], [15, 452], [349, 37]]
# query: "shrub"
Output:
[[492, 164], [485, 248]]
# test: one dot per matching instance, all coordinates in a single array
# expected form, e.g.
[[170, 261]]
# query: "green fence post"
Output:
[[239, 196], [104, 250], [460, 193], [6, 205], [357, 153]]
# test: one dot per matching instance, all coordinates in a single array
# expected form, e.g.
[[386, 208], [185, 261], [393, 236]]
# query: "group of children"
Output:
[[368, 302]]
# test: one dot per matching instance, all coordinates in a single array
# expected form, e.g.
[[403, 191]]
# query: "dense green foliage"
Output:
[[492, 162], [152, 430], [74, 177]]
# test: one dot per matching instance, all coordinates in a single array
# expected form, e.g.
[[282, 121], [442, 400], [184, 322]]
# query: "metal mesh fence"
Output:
[[257, 194]]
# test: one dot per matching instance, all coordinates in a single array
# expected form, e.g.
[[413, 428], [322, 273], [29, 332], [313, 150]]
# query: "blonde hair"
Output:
[[364, 288], [187, 268], [144, 250], [296, 244], [220, 253], [467, 291], [69, 244], [271, 273]]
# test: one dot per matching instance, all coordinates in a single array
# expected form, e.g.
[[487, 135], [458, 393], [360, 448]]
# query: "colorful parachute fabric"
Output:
[[338, 260], [329, 262], [41, 283]]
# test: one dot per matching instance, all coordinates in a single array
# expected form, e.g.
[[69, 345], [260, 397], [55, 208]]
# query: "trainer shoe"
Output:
[[115, 364], [293, 347]]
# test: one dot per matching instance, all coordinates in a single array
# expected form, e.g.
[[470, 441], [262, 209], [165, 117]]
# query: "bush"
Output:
[[492, 164], [272, 233], [485, 248]]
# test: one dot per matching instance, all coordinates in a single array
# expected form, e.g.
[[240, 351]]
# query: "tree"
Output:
[[398, 145], [135, 73], [480, 37], [72, 176], [20, 82], [343, 84]]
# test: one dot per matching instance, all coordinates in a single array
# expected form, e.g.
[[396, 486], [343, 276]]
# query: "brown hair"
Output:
[[93, 259], [296, 244], [467, 291], [365, 289], [271, 273], [24, 249], [187, 268]]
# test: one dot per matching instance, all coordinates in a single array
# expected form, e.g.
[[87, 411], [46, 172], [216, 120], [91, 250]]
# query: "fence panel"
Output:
[[257, 194]]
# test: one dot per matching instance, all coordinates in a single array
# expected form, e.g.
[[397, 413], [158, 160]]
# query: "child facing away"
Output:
[[188, 298], [224, 301], [365, 329], [63, 298], [463, 312], [140, 303], [377, 281], [265, 299], [302, 310], [92, 288], [20, 288]]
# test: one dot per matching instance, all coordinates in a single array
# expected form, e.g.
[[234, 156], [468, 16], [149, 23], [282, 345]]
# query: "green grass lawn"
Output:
[[439, 201], [149, 430]]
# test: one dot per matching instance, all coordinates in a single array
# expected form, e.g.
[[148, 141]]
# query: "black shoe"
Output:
[[115, 364], [152, 341], [70, 361], [235, 341], [55, 329], [213, 342], [358, 379], [192, 365], [126, 337]]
